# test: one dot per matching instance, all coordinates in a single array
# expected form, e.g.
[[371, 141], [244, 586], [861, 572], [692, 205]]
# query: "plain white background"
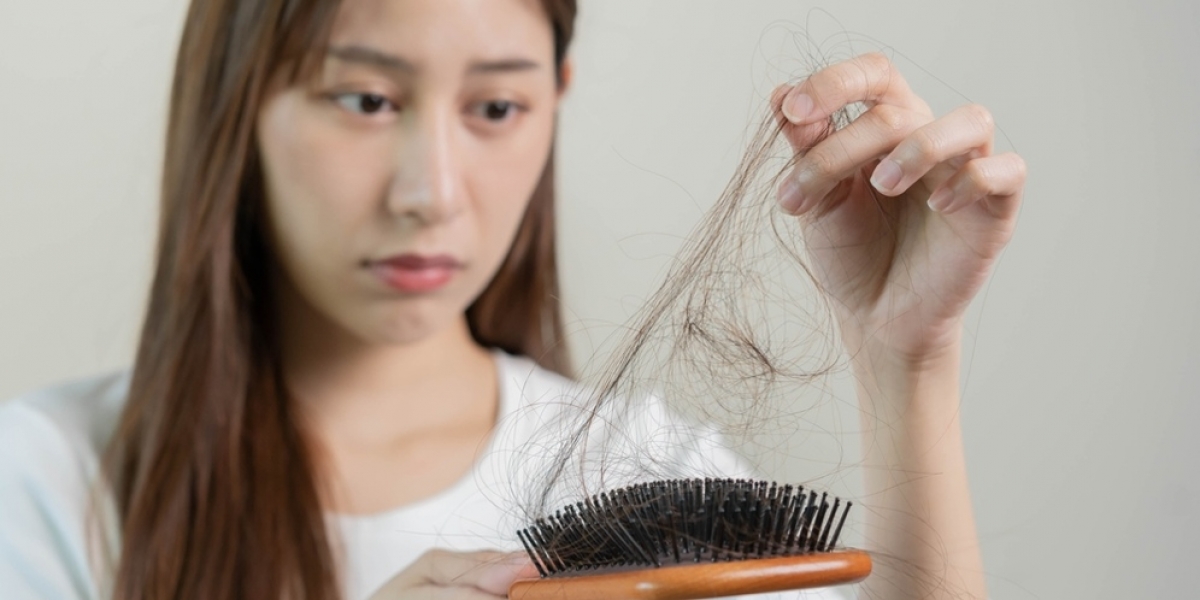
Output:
[[1082, 388]]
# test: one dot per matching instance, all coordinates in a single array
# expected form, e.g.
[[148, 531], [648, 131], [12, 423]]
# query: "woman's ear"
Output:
[[565, 73]]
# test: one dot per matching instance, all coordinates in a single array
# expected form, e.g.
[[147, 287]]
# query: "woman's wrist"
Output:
[[915, 472], [887, 370], [908, 405]]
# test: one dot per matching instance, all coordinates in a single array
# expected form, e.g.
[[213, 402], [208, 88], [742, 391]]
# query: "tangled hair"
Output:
[[729, 338]]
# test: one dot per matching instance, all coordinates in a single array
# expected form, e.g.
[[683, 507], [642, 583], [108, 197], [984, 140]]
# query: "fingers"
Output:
[[870, 136], [996, 180], [491, 572], [870, 78], [485, 574], [897, 126], [801, 137], [965, 133]]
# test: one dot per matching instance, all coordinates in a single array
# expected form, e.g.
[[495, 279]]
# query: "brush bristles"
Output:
[[684, 521]]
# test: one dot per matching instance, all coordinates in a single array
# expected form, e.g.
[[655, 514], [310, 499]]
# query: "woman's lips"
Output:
[[416, 273]]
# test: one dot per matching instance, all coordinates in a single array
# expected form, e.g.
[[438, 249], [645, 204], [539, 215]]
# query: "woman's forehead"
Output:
[[431, 31]]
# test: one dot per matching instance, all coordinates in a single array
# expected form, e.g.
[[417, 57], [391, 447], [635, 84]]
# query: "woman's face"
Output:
[[397, 178]]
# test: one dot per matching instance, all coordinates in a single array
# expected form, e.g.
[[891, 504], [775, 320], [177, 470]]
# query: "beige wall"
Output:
[[1082, 385]]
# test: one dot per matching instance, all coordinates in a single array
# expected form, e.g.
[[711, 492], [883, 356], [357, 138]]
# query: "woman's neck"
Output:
[[342, 382], [391, 423]]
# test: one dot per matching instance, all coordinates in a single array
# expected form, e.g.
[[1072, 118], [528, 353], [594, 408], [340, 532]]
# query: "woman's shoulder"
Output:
[[78, 415], [50, 446]]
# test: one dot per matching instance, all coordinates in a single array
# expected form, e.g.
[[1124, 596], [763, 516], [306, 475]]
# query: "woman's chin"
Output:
[[406, 327]]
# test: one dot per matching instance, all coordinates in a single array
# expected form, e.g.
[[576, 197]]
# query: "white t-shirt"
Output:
[[51, 442]]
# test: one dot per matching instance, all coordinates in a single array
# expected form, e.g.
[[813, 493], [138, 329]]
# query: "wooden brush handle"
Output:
[[703, 580]]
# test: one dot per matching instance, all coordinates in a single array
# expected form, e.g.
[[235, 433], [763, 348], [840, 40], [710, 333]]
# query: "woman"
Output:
[[356, 282]]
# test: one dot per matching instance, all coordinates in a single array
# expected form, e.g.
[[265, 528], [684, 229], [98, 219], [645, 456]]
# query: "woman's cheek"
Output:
[[511, 179], [321, 183], [343, 171]]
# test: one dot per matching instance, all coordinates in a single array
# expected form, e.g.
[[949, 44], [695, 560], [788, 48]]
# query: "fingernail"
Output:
[[790, 196], [887, 175], [798, 107], [940, 200]]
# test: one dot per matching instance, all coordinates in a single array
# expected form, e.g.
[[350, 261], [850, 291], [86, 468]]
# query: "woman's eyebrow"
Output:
[[390, 62]]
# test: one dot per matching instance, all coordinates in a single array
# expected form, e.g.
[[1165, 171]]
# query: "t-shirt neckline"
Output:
[[447, 494]]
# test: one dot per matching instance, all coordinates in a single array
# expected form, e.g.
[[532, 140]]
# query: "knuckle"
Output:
[[925, 144], [433, 556], [891, 118], [981, 116], [975, 172], [877, 61], [817, 165], [1020, 168], [837, 83], [882, 71]]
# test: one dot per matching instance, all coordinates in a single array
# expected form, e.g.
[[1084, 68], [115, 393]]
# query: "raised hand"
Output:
[[903, 214]]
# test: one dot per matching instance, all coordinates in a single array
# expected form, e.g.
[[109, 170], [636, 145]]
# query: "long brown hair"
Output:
[[215, 492]]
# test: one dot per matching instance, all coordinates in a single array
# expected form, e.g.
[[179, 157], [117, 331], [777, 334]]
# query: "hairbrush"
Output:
[[690, 538]]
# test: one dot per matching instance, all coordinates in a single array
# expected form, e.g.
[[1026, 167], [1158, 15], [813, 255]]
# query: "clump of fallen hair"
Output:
[[731, 335]]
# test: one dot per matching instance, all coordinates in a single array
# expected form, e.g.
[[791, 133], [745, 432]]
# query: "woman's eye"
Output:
[[497, 110], [366, 104]]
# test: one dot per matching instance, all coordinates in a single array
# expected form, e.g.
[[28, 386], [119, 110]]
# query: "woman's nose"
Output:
[[427, 185]]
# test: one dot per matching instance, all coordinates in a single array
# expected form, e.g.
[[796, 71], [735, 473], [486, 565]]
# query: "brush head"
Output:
[[684, 521]]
